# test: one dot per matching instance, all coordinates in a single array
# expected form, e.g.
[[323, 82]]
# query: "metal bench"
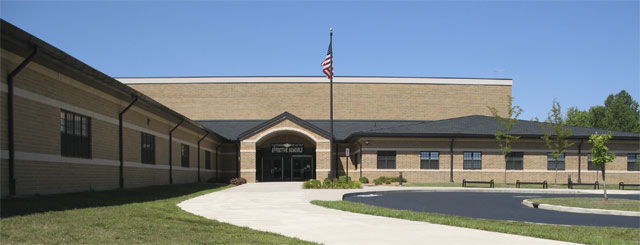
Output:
[[465, 182], [543, 183], [595, 185], [622, 185]]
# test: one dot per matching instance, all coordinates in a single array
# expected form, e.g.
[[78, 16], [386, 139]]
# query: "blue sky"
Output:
[[576, 51]]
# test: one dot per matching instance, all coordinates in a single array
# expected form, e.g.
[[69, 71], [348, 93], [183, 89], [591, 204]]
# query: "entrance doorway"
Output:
[[286, 168]]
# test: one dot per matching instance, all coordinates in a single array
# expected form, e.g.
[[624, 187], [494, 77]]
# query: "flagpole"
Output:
[[335, 167]]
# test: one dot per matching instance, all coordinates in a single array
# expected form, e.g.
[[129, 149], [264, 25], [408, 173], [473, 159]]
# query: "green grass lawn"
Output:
[[508, 185], [578, 234], [592, 202], [144, 215]]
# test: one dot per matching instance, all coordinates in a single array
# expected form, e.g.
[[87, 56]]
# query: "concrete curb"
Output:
[[579, 210]]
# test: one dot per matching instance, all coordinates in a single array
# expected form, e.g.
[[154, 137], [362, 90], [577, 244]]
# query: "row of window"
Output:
[[473, 160], [75, 141]]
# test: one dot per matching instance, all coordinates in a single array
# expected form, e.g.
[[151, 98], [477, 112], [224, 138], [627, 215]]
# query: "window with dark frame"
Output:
[[386, 159], [590, 165], [551, 163], [472, 160], [515, 161], [207, 160], [75, 135], [632, 162], [148, 148], [429, 160], [184, 155]]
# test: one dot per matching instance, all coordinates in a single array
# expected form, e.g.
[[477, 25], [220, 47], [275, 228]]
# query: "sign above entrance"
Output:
[[287, 148]]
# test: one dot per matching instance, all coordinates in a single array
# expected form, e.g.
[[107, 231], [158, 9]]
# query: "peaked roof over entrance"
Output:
[[279, 118]]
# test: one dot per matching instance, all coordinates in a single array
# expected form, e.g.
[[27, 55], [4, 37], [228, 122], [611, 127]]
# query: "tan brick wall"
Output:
[[40, 95], [311, 100], [493, 166]]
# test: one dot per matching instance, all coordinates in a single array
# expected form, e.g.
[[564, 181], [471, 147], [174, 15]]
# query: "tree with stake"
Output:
[[502, 136], [600, 155], [556, 140]]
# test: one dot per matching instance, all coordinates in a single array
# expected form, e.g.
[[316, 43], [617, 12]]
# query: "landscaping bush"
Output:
[[364, 180], [387, 180], [335, 184], [238, 181], [397, 179], [312, 184], [343, 179], [326, 183]]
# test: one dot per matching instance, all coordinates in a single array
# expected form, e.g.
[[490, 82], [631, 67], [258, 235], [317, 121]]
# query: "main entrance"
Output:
[[285, 157], [286, 168]]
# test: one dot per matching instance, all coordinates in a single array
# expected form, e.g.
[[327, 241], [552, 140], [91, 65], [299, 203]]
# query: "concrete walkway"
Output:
[[284, 208]]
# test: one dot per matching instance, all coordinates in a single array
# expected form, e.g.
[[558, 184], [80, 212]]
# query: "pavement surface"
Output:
[[496, 206], [285, 208]]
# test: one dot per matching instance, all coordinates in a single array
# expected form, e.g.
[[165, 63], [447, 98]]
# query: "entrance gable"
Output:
[[285, 122]]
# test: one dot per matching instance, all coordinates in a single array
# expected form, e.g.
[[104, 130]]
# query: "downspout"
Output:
[[451, 153], [238, 159], [217, 162], [12, 151], [361, 157], [199, 154], [580, 159], [170, 153], [120, 150]]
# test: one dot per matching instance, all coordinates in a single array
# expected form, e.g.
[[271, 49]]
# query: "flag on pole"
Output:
[[327, 66]]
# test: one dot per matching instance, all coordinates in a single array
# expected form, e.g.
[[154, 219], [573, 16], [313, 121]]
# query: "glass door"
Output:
[[301, 167], [272, 169]]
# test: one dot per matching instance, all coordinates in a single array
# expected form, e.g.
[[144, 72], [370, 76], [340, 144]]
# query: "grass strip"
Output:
[[143, 215], [592, 202], [508, 185], [578, 234]]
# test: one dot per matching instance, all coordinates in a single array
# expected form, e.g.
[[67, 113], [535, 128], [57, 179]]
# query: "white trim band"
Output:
[[319, 79]]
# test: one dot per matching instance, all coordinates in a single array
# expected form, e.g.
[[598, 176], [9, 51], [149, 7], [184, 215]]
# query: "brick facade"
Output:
[[41, 93]]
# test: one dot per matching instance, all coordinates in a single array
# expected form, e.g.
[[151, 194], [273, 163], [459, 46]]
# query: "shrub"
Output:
[[326, 184], [397, 179], [312, 184], [343, 179], [364, 180], [387, 180], [378, 181], [238, 181]]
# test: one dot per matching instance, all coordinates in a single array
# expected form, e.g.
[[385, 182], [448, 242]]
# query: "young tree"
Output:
[[502, 136], [600, 155], [556, 140]]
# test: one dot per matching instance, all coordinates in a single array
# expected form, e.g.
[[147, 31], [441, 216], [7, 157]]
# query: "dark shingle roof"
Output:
[[469, 126]]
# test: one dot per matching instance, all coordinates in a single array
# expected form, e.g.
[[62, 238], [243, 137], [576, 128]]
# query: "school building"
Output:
[[67, 127]]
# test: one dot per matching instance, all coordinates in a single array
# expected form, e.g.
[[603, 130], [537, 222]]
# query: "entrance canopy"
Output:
[[285, 148]]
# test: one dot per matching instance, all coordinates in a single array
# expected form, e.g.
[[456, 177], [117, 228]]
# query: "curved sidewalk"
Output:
[[284, 208]]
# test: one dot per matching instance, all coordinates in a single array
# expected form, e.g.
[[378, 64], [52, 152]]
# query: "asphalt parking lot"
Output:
[[497, 206]]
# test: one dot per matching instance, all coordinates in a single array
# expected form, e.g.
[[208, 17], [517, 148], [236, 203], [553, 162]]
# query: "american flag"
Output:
[[327, 66]]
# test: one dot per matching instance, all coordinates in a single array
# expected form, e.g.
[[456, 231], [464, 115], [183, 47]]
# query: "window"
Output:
[[515, 161], [552, 164], [148, 148], [207, 160], [429, 159], [632, 162], [589, 163], [75, 135], [472, 160], [386, 159], [184, 155]]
